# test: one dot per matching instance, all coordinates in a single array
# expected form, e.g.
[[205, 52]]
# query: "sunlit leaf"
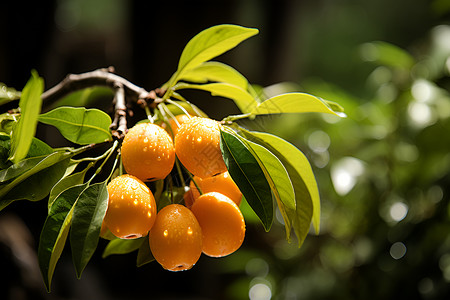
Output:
[[244, 101], [248, 175], [302, 176], [293, 103], [279, 181], [122, 246], [30, 107], [55, 230], [65, 183], [7, 122], [213, 71], [79, 125], [7, 94], [208, 44], [87, 221]]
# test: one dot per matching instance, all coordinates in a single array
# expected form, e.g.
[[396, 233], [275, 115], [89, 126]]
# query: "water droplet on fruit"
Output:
[[158, 158], [189, 231], [135, 202], [199, 139], [145, 149], [149, 214], [166, 232], [146, 140]]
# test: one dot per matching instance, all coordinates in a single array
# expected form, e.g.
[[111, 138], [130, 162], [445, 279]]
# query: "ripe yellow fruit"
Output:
[[176, 238], [197, 145], [221, 183], [222, 224], [175, 123], [131, 207], [148, 152]]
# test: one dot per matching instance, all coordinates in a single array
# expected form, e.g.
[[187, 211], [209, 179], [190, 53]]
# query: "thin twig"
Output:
[[100, 77]]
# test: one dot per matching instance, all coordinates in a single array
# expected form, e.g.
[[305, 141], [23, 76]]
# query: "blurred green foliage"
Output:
[[383, 174]]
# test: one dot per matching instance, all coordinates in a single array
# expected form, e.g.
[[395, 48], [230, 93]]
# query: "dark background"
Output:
[[306, 42]]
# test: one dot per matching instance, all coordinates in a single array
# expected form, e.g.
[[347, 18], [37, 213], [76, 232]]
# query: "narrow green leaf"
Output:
[[79, 125], [208, 44], [279, 179], [37, 152], [65, 183], [213, 71], [301, 174], [248, 175], [244, 101], [279, 182], [19, 168], [121, 246], [293, 103], [144, 255], [46, 162], [37, 148], [55, 230], [37, 186], [30, 107], [87, 221]]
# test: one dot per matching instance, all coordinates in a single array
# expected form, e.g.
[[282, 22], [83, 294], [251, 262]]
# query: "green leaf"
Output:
[[387, 54], [65, 183], [279, 182], [121, 246], [7, 122], [55, 230], [302, 176], [248, 176], [208, 44], [87, 97], [214, 71], [79, 125], [30, 107], [293, 103], [19, 168], [37, 186], [40, 165], [7, 94], [37, 148], [144, 255], [244, 101], [87, 221]]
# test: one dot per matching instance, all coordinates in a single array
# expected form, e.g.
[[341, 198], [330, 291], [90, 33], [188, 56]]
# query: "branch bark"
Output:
[[100, 77], [124, 91]]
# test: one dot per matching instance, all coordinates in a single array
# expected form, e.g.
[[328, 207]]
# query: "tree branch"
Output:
[[100, 77], [124, 91]]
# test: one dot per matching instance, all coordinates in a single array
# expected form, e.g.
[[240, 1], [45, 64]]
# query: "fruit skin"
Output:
[[131, 207], [197, 145], [221, 183], [148, 152], [175, 125], [176, 238], [222, 224]]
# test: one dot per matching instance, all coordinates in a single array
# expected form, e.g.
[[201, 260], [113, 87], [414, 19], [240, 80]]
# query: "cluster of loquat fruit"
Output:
[[209, 221]]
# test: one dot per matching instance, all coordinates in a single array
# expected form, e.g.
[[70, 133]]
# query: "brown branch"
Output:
[[100, 77], [124, 91]]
